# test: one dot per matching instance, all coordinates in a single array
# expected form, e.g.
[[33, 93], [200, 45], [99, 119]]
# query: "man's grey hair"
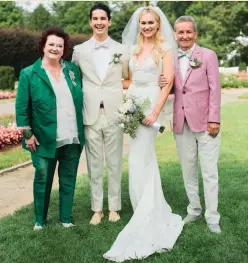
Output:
[[186, 19]]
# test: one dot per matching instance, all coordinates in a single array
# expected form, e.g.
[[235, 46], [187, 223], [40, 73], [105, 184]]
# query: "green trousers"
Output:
[[68, 158]]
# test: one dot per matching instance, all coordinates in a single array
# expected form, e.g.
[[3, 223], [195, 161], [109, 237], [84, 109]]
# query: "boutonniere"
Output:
[[72, 77], [116, 59], [195, 63]]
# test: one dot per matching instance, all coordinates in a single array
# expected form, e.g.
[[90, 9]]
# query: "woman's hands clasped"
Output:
[[150, 119], [32, 143]]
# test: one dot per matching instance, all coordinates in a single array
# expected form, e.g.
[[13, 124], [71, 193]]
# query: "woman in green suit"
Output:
[[49, 110]]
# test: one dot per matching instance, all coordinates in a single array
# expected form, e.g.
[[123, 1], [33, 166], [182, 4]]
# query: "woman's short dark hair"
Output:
[[57, 31], [100, 6]]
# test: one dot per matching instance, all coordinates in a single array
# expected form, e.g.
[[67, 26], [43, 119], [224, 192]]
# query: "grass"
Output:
[[231, 81], [13, 156], [6, 119], [243, 96], [7, 100], [86, 244]]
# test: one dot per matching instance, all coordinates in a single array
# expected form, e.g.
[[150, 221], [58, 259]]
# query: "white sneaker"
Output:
[[67, 225], [214, 228], [37, 227], [190, 218]]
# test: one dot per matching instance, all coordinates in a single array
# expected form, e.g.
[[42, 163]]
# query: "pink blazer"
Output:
[[197, 97]]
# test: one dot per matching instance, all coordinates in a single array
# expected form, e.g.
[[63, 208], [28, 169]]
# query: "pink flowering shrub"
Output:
[[7, 95], [9, 135]]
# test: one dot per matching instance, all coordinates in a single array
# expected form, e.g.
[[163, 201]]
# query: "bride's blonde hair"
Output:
[[157, 50]]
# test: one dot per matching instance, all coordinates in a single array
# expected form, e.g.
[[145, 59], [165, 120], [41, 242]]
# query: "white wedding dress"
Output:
[[153, 227]]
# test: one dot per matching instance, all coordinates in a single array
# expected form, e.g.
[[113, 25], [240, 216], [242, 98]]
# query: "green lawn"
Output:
[[85, 243], [7, 100], [244, 96], [6, 119], [13, 157]]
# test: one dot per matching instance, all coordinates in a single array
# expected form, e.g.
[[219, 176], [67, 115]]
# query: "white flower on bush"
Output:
[[121, 125]]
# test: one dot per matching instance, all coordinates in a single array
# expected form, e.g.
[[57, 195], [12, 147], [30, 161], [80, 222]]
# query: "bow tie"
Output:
[[182, 53], [101, 44]]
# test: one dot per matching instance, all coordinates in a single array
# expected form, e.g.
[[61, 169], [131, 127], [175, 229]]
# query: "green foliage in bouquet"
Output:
[[131, 114]]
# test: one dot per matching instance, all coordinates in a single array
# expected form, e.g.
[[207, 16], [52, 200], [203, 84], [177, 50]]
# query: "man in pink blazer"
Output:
[[197, 121]]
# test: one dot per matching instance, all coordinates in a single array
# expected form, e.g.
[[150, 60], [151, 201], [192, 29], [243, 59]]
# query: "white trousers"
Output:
[[104, 141], [190, 145]]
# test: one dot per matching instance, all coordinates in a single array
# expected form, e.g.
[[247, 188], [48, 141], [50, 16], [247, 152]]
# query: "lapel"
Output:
[[66, 71], [42, 73], [195, 54], [88, 57], [112, 52], [179, 70]]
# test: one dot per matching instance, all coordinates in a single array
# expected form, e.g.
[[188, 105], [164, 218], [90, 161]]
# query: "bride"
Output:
[[153, 227]]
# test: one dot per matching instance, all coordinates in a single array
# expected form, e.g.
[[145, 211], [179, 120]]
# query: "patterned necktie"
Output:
[[103, 44], [182, 53]]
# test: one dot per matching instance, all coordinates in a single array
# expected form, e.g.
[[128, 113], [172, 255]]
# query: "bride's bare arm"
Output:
[[168, 72], [126, 82]]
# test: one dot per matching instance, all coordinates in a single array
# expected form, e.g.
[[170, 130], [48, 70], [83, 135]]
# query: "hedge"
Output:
[[232, 81], [10, 135], [242, 67], [18, 48], [7, 78]]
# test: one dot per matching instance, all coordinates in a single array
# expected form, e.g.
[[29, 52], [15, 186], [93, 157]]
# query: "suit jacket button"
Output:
[[182, 107], [184, 92]]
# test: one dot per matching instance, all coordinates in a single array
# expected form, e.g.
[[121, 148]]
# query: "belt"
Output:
[[101, 105], [144, 84]]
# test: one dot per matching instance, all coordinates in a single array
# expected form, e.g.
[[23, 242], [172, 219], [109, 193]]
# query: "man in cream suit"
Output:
[[197, 121], [102, 86]]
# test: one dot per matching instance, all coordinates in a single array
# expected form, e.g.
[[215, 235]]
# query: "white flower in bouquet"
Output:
[[123, 109], [131, 114]]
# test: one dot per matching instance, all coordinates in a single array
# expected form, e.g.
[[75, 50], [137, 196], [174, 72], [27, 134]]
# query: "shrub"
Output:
[[7, 95], [7, 78], [231, 81], [242, 67], [23, 46], [10, 135]]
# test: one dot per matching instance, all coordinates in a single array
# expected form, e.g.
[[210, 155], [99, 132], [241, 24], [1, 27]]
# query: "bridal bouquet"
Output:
[[131, 114]]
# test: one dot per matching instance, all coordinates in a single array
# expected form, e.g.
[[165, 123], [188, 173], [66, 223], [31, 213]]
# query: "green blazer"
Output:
[[36, 105]]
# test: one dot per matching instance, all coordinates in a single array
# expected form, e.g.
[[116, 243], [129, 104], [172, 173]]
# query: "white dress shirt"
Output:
[[101, 56], [67, 131], [184, 64]]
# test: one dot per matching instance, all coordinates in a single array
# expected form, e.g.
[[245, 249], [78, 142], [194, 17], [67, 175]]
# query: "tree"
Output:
[[10, 15], [40, 19], [219, 23], [174, 9], [73, 16], [121, 13]]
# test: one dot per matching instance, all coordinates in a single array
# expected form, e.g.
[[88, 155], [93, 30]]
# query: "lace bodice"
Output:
[[148, 70], [145, 81]]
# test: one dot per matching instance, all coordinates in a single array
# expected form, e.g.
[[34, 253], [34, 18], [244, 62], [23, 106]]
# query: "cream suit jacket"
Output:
[[109, 90]]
